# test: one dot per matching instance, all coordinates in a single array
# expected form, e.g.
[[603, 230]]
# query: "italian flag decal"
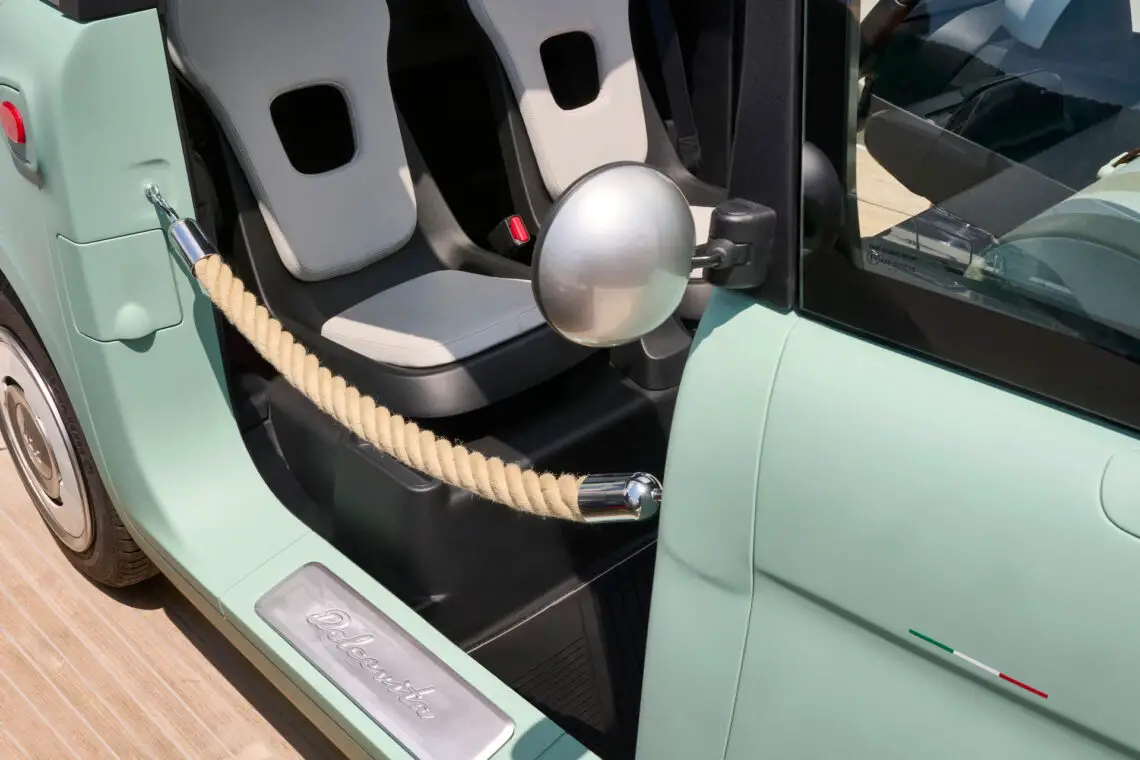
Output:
[[992, 671]]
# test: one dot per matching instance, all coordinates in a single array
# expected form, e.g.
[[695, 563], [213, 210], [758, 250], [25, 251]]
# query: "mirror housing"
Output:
[[614, 258]]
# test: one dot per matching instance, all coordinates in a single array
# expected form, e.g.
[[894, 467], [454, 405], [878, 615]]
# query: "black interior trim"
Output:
[[767, 150], [570, 62], [713, 87], [517, 591], [93, 10], [1053, 367]]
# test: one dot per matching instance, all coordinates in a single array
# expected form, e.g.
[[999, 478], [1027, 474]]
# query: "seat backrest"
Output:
[[242, 56], [570, 142]]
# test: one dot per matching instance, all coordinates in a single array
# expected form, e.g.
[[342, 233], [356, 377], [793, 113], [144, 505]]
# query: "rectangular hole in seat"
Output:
[[571, 64], [315, 128]]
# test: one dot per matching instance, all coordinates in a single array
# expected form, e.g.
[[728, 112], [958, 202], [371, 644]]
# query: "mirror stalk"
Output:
[[740, 244]]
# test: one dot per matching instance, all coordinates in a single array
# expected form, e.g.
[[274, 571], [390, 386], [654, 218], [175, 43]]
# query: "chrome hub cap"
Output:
[[40, 447]]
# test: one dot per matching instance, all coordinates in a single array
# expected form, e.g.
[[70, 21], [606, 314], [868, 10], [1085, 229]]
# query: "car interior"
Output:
[[353, 166], [1009, 116]]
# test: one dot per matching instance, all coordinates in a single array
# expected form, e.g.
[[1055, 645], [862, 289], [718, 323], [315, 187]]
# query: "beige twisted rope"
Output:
[[528, 491]]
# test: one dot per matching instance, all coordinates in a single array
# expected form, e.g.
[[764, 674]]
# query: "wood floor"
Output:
[[883, 202], [135, 674], [87, 674]]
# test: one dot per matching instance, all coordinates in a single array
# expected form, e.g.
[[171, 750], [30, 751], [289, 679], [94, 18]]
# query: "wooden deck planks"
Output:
[[883, 201], [136, 673]]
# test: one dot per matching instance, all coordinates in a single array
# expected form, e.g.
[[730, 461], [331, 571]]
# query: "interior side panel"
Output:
[[703, 584]]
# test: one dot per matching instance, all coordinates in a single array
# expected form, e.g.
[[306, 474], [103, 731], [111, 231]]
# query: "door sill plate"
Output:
[[409, 692]]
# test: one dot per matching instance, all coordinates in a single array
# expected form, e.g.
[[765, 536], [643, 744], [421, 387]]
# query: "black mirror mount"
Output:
[[739, 248]]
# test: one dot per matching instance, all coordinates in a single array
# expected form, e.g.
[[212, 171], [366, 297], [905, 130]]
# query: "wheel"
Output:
[[40, 429]]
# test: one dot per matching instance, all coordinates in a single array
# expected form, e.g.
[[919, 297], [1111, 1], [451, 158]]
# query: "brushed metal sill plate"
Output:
[[410, 693]]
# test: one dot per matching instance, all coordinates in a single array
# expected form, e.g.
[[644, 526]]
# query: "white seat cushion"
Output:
[[568, 144], [702, 215], [241, 55], [436, 319]]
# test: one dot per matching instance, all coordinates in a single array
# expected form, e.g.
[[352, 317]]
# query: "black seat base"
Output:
[[469, 566]]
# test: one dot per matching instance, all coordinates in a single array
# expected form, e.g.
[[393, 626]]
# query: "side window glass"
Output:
[[994, 157]]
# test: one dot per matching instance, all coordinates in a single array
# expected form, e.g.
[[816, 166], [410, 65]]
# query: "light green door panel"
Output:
[[702, 590], [818, 685], [910, 497], [889, 495]]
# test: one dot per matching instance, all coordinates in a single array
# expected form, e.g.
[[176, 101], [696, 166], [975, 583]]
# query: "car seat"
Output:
[[349, 240], [575, 100]]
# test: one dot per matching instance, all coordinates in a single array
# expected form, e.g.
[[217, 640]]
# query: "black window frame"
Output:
[[1033, 360], [767, 134]]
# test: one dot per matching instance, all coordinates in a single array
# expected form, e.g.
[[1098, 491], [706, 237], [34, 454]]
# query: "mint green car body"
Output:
[[838, 510]]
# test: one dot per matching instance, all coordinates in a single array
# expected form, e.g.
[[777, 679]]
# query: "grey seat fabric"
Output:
[[436, 319], [241, 55], [1090, 246], [245, 53]]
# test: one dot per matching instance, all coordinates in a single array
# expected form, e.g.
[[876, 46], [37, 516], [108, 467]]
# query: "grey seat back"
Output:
[[570, 143], [243, 54]]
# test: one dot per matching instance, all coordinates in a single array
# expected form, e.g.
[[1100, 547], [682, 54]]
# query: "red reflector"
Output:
[[12, 123], [518, 230]]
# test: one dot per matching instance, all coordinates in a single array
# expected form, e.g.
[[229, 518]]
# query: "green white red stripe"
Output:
[[980, 665]]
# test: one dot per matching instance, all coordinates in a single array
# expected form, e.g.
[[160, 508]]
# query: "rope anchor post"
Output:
[[584, 499]]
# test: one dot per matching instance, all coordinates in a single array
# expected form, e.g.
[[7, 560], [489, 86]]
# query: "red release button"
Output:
[[518, 230], [12, 123]]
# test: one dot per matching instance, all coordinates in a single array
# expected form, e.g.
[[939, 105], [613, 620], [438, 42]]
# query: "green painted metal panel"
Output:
[[25, 249], [817, 685], [702, 591], [885, 494], [100, 102], [123, 121], [566, 749], [1120, 491], [905, 496], [120, 289]]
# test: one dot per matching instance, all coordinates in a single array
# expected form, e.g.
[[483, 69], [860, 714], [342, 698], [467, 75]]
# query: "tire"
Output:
[[54, 461]]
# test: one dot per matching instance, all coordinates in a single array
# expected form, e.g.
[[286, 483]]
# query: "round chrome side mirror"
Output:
[[614, 256]]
